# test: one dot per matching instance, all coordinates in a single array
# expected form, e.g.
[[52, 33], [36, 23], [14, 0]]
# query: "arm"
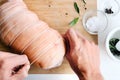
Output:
[[83, 56]]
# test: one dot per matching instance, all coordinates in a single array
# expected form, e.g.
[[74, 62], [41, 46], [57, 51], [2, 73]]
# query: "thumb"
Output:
[[22, 73]]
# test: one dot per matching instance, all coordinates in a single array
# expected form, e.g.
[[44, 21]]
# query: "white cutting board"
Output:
[[109, 68]]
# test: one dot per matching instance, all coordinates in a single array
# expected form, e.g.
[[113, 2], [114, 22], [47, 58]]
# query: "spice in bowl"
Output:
[[114, 45], [109, 11], [94, 21], [92, 24], [111, 7]]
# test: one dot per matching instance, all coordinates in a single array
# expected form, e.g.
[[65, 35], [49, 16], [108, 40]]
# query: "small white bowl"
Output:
[[101, 19], [115, 33], [113, 5]]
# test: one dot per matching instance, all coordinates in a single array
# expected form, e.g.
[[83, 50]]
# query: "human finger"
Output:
[[22, 73], [6, 54], [80, 35], [72, 37], [18, 60]]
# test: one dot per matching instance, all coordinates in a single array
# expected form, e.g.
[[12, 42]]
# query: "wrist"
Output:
[[95, 76], [91, 76]]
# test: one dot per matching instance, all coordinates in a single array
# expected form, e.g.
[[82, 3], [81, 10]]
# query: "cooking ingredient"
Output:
[[118, 46], [92, 24], [73, 22], [109, 11], [111, 7], [76, 7], [22, 30], [112, 46], [84, 4], [84, 1]]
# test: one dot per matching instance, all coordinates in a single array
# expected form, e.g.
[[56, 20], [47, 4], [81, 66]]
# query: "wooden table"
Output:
[[58, 13]]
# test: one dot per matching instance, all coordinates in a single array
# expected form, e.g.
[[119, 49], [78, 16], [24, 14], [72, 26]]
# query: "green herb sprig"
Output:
[[74, 21], [112, 44], [84, 1], [76, 7]]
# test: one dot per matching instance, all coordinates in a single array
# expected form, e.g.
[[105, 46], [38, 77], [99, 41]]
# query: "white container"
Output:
[[113, 5], [94, 20], [115, 33]]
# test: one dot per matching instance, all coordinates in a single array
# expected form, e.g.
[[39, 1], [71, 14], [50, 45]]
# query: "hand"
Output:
[[83, 56], [13, 66]]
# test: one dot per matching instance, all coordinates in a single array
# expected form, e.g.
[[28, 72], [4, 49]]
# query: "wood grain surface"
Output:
[[58, 14]]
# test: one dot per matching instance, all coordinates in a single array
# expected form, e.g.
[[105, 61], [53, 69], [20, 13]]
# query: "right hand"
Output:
[[83, 56], [13, 66]]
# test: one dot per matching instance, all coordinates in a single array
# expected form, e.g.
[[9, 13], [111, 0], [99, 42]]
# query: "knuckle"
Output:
[[85, 41], [25, 57], [77, 47], [4, 63]]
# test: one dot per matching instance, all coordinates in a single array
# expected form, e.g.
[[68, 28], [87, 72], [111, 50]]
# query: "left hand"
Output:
[[13, 66]]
